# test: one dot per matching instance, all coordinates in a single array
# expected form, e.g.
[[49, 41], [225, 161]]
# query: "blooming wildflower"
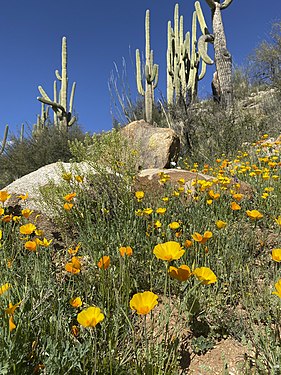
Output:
[[209, 201], [16, 219], [238, 196], [157, 224], [202, 239], [278, 221], [235, 206], [139, 195], [182, 273], [254, 214], [126, 251], [90, 317], [26, 212], [74, 251], [75, 330], [30, 245], [68, 206], [4, 288], [165, 199], [27, 228], [275, 177], [188, 243], [44, 242], [174, 225], [221, 224], [104, 262], [181, 181], [1, 211], [214, 195], [7, 218], [205, 275], [69, 197], [278, 288], [276, 255], [79, 179], [75, 302], [67, 176], [74, 266], [4, 196], [11, 309], [144, 302], [23, 196], [147, 211], [161, 210], [170, 250], [1, 234], [139, 212], [12, 325]]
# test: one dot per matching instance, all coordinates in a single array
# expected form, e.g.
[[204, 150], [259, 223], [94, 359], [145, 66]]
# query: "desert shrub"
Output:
[[34, 151]]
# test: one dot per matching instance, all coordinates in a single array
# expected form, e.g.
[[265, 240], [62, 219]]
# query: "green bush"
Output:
[[34, 151]]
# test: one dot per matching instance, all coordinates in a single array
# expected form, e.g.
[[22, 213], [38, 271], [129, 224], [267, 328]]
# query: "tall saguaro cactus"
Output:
[[4, 139], [223, 59], [184, 55], [62, 112], [151, 73]]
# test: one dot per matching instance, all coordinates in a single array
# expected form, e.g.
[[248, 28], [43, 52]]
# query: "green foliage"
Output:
[[23, 156], [265, 61]]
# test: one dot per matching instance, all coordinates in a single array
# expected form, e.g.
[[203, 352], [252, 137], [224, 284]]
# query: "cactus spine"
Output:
[[4, 139], [184, 57], [223, 59], [63, 117], [151, 73]]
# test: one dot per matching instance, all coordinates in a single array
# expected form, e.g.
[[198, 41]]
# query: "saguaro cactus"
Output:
[[223, 59], [62, 113], [151, 73], [183, 57], [4, 139]]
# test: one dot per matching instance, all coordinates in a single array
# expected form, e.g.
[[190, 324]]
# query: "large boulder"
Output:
[[157, 147]]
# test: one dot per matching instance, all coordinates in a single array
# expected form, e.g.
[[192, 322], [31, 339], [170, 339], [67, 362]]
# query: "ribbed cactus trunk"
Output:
[[223, 59]]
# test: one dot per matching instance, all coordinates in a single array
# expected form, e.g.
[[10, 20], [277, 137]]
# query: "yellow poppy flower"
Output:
[[254, 214], [104, 262], [126, 251], [23, 196], [4, 195], [182, 273], [68, 206], [139, 195], [27, 228], [26, 212], [278, 221], [67, 176], [4, 288], [12, 325], [76, 302], [235, 206], [79, 179], [147, 211], [11, 309], [169, 251], [221, 224], [74, 251], [2, 211], [161, 210], [69, 197], [90, 317], [30, 245], [202, 238], [144, 302], [188, 243], [174, 225], [278, 288], [74, 266], [205, 275], [276, 255]]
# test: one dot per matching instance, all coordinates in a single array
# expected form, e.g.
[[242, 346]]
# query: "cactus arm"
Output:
[[63, 99], [138, 68], [55, 106], [4, 139], [21, 132], [202, 48], [201, 18], [71, 100], [226, 3], [55, 100], [203, 70], [58, 75], [43, 93]]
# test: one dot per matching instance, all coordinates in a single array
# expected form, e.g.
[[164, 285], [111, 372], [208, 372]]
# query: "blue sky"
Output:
[[100, 33]]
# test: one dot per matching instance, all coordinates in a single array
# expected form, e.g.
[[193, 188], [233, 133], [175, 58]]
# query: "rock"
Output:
[[157, 147], [148, 181], [32, 182]]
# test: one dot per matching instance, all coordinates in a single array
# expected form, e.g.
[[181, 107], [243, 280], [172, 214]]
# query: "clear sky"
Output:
[[100, 33]]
